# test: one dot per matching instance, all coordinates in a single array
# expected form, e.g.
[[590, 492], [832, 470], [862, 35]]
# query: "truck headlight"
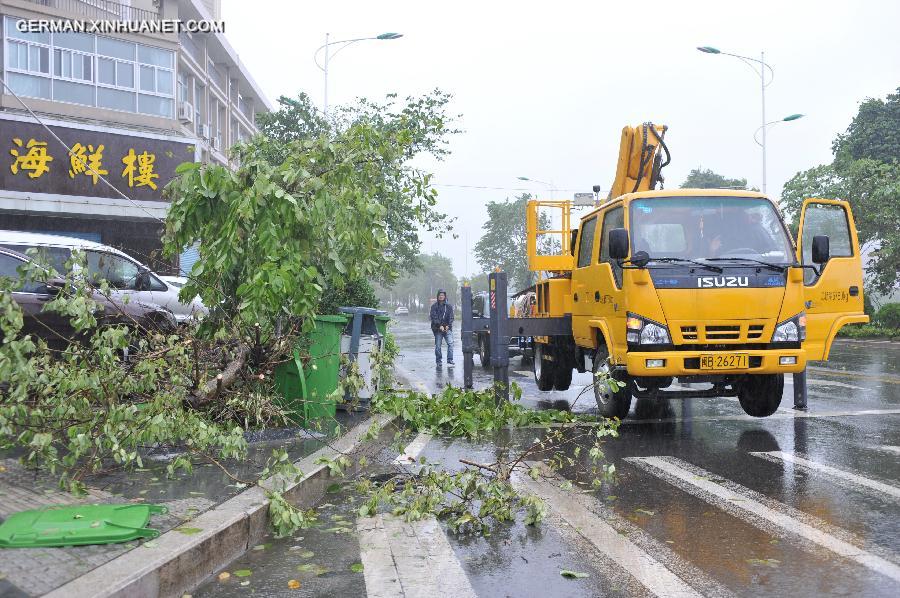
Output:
[[792, 330], [641, 331]]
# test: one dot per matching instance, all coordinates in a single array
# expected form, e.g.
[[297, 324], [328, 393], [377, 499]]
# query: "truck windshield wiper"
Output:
[[673, 260], [771, 266]]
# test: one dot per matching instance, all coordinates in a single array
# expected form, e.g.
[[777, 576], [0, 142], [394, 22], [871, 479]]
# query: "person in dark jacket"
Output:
[[442, 327]]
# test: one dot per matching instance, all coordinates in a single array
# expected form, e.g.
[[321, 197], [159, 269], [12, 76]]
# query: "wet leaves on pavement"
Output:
[[189, 531]]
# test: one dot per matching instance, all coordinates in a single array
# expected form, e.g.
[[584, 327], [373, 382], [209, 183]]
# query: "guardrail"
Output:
[[100, 9]]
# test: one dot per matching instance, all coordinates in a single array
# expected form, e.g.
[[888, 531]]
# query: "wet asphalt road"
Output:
[[800, 504]]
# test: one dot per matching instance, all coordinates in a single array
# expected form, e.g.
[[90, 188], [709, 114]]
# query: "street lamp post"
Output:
[[324, 67], [760, 70]]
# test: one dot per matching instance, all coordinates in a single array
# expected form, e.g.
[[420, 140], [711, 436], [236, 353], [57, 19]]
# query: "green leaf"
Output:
[[243, 573], [356, 567], [573, 574], [189, 531]]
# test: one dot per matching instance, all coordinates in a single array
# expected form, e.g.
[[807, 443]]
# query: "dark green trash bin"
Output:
[[306, 391]]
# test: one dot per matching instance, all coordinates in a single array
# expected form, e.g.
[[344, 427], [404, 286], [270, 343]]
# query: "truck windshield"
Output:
[[697, 228]]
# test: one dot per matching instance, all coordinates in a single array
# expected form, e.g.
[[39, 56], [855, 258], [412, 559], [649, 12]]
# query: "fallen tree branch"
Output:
[[210, 391]]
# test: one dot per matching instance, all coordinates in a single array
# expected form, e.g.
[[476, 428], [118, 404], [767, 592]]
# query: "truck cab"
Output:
[[700, 285]]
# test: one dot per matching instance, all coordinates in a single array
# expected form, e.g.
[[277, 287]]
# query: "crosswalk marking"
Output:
[[749, 506], [888, 449], [413, 449], [840, 474], [409, 560], [652, 574]]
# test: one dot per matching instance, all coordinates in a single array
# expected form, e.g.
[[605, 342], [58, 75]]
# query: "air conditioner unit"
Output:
[[186, 112], [203, 131]]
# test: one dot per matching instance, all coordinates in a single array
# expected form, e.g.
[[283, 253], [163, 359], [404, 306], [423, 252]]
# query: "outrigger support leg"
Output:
[[800, 390], [499, 336], [468, 336]]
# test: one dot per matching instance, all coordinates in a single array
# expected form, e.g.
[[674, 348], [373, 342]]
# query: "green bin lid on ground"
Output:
[[78, 525]]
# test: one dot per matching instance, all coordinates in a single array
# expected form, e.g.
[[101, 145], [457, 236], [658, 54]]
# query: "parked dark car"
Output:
[[55, 328]]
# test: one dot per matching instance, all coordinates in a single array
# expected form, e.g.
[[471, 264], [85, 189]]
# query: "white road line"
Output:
[[413, 449], [786, 414], [840, 474], [888, 449], [652, 574], [749, 506], [412, 379], [409, 560]]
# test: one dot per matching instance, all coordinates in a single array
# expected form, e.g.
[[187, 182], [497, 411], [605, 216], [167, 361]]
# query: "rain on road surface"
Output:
[[707, 501]]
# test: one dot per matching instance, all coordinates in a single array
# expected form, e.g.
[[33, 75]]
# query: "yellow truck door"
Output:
[[585, 255], [834, 297]]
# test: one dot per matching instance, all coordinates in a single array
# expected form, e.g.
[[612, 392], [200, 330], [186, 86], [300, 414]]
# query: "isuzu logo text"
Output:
[[722, 281]]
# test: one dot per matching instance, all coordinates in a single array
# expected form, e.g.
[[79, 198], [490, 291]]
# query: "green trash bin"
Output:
[[305, 391], [381, 325]]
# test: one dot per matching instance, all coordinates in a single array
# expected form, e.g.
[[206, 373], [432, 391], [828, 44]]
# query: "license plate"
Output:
[[725, 361]]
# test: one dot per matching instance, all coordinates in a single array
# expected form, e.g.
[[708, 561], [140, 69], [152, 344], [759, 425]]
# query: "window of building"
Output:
[[92, 70], [198, 101], [71, 65], [183, 87], [23, 56]]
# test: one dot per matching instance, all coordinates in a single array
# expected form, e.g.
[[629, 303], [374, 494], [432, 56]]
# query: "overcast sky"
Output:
[[544, 88]]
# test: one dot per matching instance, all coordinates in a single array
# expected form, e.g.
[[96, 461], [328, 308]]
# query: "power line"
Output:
[[490, 188]]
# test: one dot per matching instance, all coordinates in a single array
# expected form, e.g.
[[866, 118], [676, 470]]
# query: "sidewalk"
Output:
[[37, 571]]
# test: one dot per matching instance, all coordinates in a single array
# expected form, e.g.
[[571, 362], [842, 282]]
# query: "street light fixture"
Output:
[[324, 67], [786, 119], [760, 67], [551, 186]]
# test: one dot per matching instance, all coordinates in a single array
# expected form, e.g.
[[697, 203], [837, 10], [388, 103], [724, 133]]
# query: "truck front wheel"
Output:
[[760, 395], [544, 369], [610, 403]]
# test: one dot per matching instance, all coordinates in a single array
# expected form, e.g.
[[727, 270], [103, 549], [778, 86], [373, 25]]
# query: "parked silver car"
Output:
[[126, 276]]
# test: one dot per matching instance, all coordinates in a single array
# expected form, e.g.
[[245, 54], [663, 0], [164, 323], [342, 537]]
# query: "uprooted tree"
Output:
[[275, 234]]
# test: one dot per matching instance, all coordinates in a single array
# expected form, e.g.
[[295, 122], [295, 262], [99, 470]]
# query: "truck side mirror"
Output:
[[640, 259], [821, 251], [618, 243]]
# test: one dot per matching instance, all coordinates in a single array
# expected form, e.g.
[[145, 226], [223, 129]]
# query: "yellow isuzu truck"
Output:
[[698, 285]]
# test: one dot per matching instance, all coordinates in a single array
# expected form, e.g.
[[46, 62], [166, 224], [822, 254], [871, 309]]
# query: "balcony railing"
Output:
[[101, 10]]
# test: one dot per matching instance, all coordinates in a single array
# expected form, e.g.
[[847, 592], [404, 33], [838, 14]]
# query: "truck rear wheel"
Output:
[[543, 368], [611, 404], [760, 396], [562, 376], [484, 350]]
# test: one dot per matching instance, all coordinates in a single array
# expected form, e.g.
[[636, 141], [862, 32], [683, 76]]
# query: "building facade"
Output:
[[127, 106]]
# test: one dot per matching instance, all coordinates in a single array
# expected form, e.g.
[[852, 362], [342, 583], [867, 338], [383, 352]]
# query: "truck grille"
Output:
[[715, 333]]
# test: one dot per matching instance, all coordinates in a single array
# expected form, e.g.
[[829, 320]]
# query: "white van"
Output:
[[125, 275]]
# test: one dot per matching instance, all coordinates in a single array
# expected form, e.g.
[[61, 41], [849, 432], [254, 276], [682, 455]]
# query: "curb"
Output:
[[177, 562]]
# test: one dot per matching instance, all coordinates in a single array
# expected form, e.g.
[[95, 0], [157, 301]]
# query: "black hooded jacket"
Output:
[[441, 314]]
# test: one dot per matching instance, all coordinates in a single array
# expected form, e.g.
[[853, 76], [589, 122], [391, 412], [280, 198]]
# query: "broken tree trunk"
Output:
[[210, 391]]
